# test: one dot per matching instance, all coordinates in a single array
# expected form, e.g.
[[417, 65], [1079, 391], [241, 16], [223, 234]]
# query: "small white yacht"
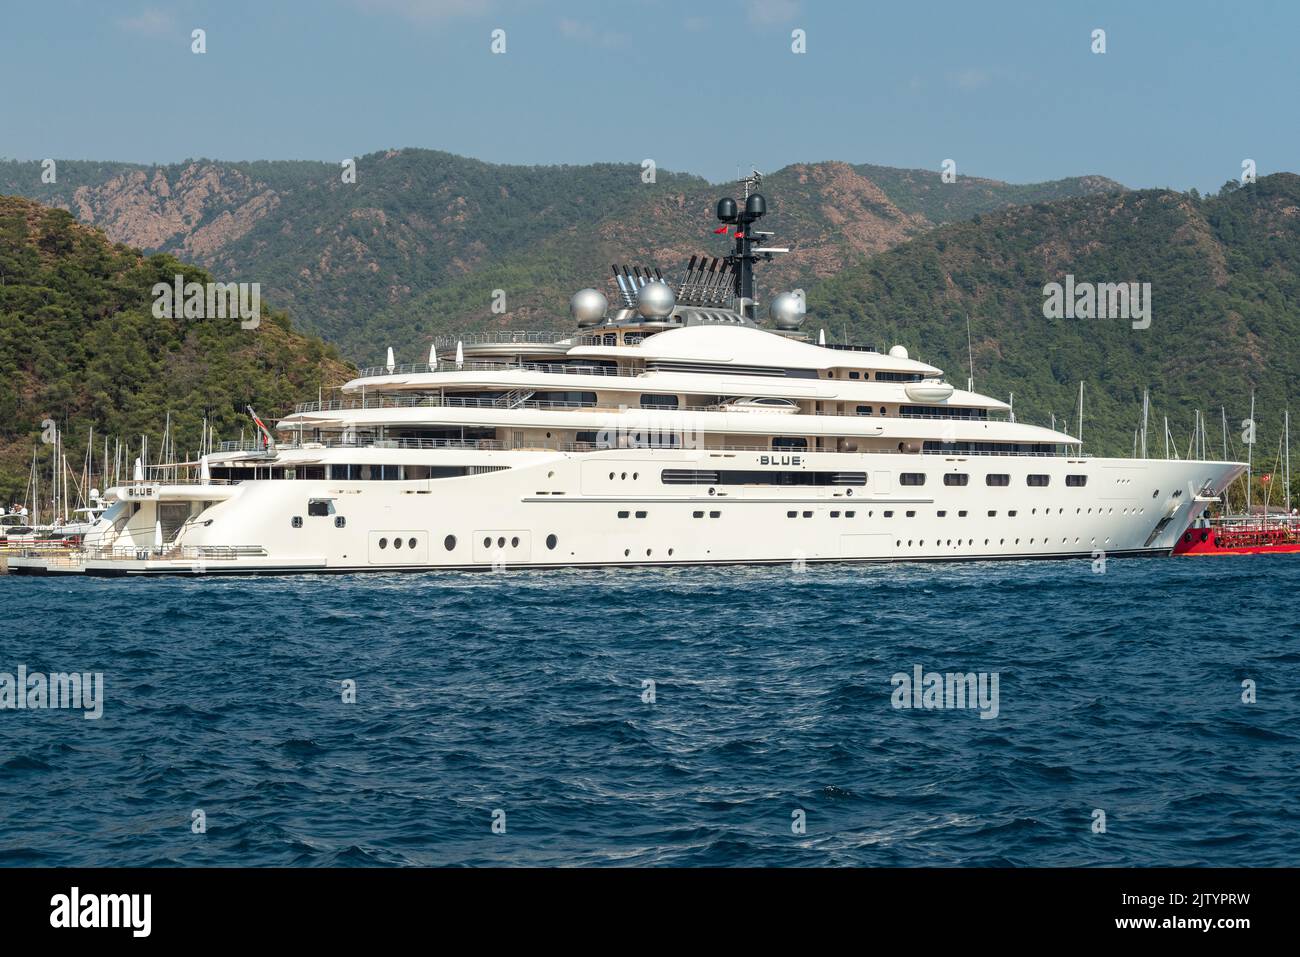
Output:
[[668, 427]]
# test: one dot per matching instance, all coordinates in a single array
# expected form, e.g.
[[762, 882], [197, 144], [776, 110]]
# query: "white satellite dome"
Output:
[[899, 352], [655, 300], [588, 306]]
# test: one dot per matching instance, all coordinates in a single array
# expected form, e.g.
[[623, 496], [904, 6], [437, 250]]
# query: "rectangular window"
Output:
[[564, 398], [997, 479], [656, 401], [319, 506], [835, 514], [956, 478], [1076, 481], [789, 442], [911, 478], [1037, 481], [688, 477], [942, 513]]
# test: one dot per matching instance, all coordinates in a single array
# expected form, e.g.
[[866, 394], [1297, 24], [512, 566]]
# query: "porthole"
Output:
[[487, 543], [501, 542], [449, 542], [514, 542], [296, 521], [397, 543], [627, 552], [339, 521], [383, 543], [551, 541], [410, 543], [636, 475]]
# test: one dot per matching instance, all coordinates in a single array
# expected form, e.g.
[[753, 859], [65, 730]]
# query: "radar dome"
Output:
[[899, 352], [655, 300], [588, 306], [787, 311]]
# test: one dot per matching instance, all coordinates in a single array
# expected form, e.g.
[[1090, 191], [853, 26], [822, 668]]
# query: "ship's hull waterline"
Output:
[[612, 508]]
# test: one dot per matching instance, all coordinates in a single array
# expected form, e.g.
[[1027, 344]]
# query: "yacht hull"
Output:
[[548, 509]]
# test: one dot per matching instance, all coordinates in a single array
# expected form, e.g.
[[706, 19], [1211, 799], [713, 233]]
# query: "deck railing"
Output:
[[489, 365], [501, 337]]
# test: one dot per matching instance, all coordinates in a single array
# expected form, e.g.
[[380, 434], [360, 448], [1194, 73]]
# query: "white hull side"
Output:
[[506, 518]]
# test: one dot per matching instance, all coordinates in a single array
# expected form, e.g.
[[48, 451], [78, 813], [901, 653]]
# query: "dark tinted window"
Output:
[[956, 478], [997, 479], [1038, 481], [653, 401], [911, 478]]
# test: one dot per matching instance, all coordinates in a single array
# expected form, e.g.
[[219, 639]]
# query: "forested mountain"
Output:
[[421, 240], [79, 344], [1225, 289]]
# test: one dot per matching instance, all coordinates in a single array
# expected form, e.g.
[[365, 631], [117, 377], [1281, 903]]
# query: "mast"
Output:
[[1146, 408], [1079, 433], [1286, 445], [1250, 453]]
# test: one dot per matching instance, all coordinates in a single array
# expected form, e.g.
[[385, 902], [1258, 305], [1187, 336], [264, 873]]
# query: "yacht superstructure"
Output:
[[669, 427]]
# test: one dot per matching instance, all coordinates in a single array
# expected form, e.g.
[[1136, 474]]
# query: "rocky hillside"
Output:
[[422, 239], [1225, 308], [79, 344]]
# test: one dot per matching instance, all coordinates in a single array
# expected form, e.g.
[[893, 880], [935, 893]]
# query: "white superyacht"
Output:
[[668, 428]]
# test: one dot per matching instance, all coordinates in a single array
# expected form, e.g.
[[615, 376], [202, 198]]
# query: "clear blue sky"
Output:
[[1011, 90]]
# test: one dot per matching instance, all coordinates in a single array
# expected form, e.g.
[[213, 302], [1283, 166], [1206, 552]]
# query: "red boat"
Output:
[[1217, 536]]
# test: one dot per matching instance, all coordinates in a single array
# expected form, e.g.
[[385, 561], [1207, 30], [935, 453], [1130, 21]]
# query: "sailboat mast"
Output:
[[1250, 453], [1079, 433]]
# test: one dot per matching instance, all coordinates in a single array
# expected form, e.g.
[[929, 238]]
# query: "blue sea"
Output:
[[729, 716]]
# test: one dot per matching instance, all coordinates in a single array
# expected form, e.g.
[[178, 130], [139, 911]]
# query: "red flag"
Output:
[[721, 229]]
